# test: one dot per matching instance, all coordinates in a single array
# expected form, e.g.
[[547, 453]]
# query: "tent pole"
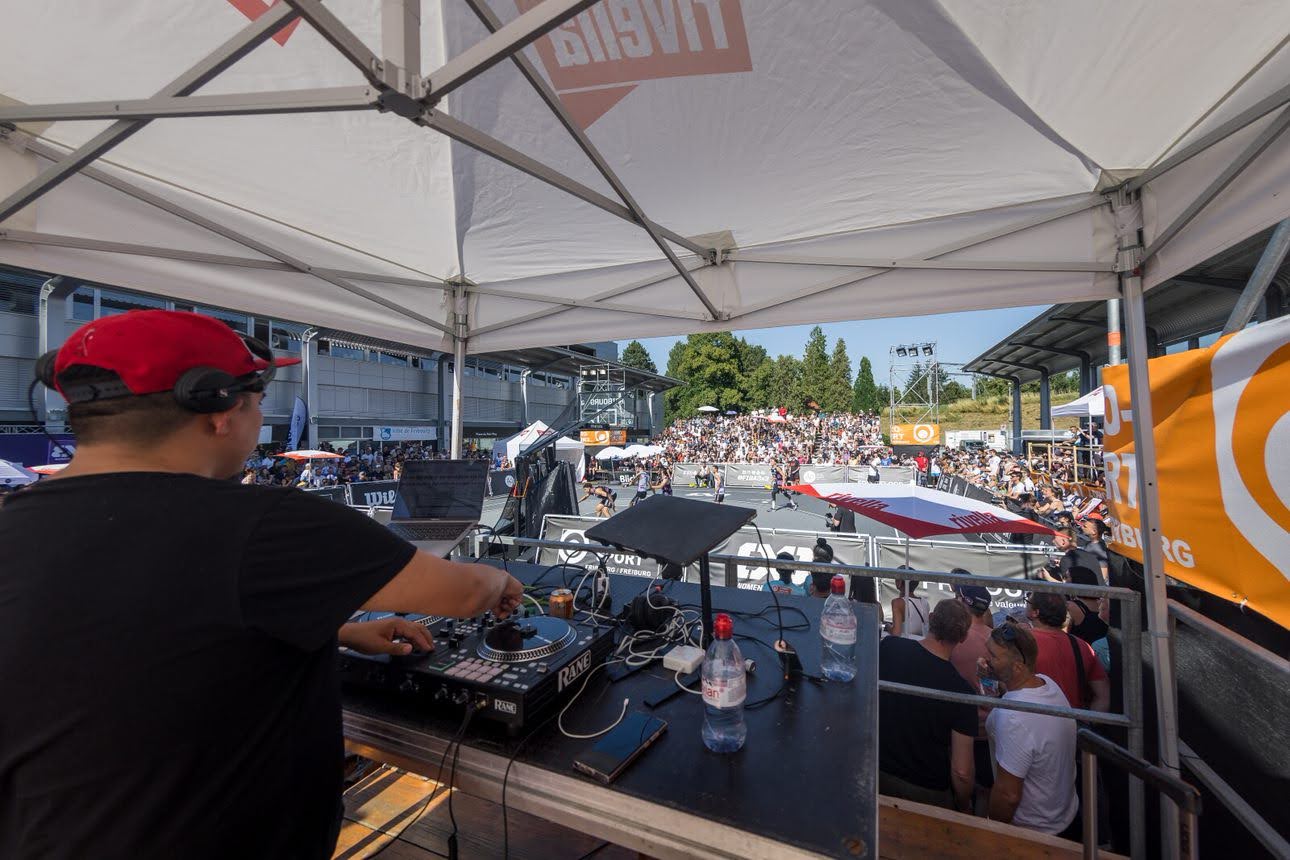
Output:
[[1113, 334], [1157, 600], [458, 367], [1273, 255], [241, 44]]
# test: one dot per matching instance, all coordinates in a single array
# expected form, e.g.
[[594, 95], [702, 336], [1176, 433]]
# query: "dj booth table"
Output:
[[804, 784]]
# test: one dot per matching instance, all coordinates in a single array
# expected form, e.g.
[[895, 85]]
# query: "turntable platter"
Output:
[[526, 639]]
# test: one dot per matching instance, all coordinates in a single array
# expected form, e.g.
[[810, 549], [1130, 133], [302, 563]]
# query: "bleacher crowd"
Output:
[[357, 463]]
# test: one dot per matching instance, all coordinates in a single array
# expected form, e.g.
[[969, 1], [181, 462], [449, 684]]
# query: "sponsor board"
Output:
[[603, 437], [915, 434], [373, 493], [399, 433], [1222, 431]]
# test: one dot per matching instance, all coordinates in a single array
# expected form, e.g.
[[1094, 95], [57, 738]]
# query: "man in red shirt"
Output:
[[1085, 687]]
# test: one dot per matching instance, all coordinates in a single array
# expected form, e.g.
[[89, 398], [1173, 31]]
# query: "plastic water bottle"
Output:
[[725, 687], [838, 633]]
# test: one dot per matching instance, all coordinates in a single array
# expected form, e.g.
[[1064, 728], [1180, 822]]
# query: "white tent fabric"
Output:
[[613, 452], [850, 159], [13, 475], [524, 438], [1091, 405], [566, 449]]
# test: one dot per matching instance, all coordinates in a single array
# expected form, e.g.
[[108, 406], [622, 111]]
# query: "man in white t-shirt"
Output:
[[1034, 754]]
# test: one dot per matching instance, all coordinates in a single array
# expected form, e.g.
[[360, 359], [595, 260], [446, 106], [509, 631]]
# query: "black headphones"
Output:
[[649, 611], [198, 389]]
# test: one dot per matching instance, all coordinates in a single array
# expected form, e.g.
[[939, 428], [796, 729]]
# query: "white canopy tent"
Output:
[[644, 167], [569, 450], [1091, 405], [14, 475]]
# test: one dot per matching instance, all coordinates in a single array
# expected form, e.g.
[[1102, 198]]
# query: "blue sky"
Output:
[[959, 337]]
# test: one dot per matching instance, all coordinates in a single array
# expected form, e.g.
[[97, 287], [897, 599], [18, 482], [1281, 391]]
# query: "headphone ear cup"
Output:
[[45, 369], [206, 390]]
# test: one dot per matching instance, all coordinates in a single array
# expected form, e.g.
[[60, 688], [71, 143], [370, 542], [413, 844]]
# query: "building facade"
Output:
[[356, 389]]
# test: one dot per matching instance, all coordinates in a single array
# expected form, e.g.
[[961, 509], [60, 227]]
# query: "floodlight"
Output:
[[927, 349], [901, 351]]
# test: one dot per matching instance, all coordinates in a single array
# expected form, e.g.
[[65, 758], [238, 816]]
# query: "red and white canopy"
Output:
[[311, 455], [921, 512]]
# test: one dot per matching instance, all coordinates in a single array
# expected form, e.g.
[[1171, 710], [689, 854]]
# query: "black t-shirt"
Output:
[[167, 656], [1080, 558], [846, 521], [913, 732]]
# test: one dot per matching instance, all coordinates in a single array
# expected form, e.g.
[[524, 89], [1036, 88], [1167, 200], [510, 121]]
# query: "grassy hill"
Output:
[[988, 413]]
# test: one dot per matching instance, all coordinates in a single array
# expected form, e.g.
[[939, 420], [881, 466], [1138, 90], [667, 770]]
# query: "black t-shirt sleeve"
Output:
[[964, 716], [310, 563]]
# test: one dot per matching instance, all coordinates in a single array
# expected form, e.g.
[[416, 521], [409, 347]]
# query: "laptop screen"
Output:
[[441, 490]]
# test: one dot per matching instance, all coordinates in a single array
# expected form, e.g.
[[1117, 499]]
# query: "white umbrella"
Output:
[[707, 409], [611, 453], [640, 450], [1091, 405], [13, 475]]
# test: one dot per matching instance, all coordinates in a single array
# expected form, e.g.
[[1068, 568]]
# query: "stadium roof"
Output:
[[1190, 305]]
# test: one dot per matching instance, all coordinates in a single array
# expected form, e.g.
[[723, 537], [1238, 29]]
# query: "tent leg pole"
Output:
[[1152, 556], [458, 367]]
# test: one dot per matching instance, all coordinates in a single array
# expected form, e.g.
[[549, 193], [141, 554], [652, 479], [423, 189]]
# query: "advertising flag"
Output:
[[1222, 434]]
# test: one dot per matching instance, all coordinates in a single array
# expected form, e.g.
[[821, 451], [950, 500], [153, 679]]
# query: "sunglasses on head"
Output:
[[1007, 635]]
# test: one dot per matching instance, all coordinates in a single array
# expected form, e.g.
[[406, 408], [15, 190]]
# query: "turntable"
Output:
[[527, 639], [516, 669]]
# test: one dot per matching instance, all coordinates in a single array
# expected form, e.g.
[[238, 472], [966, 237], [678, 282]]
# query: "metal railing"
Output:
[[1085, 469], [1092, 748], [1267, 835], [1130, 638]]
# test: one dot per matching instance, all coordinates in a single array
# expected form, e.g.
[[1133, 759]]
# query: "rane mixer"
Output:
[[517, 669]]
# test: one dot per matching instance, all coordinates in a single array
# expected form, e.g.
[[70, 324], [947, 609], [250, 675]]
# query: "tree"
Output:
[[814, 383], [635, 355], [785, 382], [864, 395], [708, 364], [838, 396]]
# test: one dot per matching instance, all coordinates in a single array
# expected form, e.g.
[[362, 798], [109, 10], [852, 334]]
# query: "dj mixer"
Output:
[[515, 671]]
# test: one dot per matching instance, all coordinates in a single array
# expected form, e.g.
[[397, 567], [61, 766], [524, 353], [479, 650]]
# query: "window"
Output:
[[391, 358], [285, 336], [337, 350], [113, 303], [20, 292], [237, 322], [262, 330], [82, 304]]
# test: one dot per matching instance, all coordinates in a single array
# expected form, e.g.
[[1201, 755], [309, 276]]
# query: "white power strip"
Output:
[[683, 658]]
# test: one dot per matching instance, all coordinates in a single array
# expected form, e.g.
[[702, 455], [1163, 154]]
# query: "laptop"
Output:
[[438, 502]]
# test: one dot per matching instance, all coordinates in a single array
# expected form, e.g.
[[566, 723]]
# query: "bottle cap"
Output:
[[722, 626], [838, 584]]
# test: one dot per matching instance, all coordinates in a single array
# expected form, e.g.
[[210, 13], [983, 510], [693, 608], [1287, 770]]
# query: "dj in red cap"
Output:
[[167, 635]]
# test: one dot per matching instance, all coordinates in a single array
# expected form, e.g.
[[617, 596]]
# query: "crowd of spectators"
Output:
[[771, 437], [357, 463]]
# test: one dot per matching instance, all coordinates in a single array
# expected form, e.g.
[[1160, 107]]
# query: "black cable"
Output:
[[594, 851], [766, 552], [31, 404], [560, 565], [506, 776], [455, 741]]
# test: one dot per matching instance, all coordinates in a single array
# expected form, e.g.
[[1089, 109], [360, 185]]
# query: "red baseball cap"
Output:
[[150, 350], [1094, 516]]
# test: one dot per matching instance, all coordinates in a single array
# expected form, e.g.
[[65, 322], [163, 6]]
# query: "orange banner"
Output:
[[603, 437], [1222, 434], [915, 434]]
